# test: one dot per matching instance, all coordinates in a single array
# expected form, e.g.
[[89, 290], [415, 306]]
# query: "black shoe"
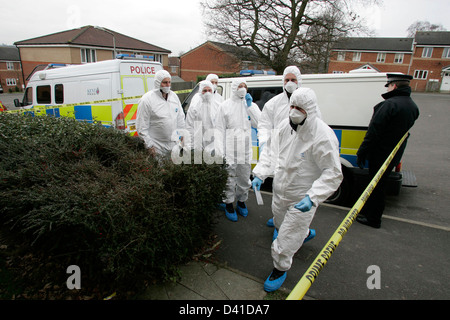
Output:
[[364, 220]]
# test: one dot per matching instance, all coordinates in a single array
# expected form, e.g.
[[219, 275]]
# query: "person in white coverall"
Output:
[[213, 78], [307, 171], [201, 117], [277, 109], [234, 120], [160, 116]]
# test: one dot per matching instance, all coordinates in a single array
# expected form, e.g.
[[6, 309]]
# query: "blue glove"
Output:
[[248, 99], [304, 205], [256, 183]]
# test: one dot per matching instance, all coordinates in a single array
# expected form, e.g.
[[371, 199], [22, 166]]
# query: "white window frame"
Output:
[[340, 56], [399, 57], [446, 53], [10, 82], [9, 65], [357, 56], [381, 57], [427, 52], [421, 74], [88, 55]]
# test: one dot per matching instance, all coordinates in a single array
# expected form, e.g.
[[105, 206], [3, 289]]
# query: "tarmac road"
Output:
[[411, 248]]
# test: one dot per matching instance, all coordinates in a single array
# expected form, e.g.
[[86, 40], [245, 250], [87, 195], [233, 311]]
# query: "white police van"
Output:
[[106, 92]]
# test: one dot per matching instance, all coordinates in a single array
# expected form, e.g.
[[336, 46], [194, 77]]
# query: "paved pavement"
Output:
[[412, 258]]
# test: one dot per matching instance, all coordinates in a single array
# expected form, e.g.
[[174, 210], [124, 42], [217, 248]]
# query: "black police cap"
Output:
[[391, 77]]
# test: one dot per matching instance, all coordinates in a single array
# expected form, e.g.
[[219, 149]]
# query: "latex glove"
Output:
[[256, 183], [304, 205], [248, 99]]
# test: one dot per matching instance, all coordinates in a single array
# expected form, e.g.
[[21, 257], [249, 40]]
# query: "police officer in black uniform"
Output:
[[390, 121]]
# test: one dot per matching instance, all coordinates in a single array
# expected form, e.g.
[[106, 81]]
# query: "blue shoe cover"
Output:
[[275, 234], [222, 206], [270, 223], [231, 216], [242, 211], [311, 235], [270, 286]]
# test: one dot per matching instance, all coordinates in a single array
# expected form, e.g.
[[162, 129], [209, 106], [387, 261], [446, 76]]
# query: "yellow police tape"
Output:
[[90, 102], [313, 271]]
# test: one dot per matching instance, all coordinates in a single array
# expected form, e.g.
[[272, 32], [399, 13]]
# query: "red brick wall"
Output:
[[433, 65], [10, 74], [206, 59], [369, 58]]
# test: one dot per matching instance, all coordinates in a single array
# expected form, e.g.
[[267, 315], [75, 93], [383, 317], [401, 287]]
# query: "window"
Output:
[[381, 57], [446, 53], [11, 82], [43, 94], [341, 56], [88, 55], [427, 52], [59, 93], [420, 74], [10, 65], [28, 97], [399, 58], [357, 56]]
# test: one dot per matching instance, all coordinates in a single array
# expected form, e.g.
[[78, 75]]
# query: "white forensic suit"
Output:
[[200, 119], [276, 109], [217, 96], [158, 120], [234, 121], [307, 164]]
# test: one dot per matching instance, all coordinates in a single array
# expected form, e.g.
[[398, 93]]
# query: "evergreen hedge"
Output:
[[96, 198]]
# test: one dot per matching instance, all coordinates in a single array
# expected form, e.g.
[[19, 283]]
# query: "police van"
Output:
[[346, 103], [105, 92]]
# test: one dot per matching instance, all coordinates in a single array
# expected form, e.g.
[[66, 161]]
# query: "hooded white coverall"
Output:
[[234, 120], [307, 164], [200, 119], [158, 119], [276, 109], [217, 96]]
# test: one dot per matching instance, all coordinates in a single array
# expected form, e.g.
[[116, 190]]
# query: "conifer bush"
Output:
[[96, 198]]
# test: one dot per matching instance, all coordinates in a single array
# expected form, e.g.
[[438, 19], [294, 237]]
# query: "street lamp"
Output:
[[114, 38]]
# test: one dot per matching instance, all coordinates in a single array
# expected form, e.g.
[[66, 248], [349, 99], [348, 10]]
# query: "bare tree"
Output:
[[423, 26], [279, 31]]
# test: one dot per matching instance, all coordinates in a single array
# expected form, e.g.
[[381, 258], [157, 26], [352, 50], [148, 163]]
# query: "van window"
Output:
[[43, 94], [28, 97], [262, 95], [59, 93]]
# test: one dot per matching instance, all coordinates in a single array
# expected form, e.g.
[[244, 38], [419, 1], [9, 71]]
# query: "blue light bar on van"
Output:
[[134, 56], [256, 72]]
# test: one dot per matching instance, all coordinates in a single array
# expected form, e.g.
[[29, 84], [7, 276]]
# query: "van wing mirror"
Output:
[[17, 103]]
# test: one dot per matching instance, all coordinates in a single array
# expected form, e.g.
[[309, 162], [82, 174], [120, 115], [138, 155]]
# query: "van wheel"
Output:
[[341, 195]]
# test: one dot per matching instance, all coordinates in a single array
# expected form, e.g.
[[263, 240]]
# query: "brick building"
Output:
[[10, 69], [426, 57], [218, 58], [83, 45]]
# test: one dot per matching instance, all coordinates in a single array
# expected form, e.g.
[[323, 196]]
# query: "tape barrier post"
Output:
[[313, 271]]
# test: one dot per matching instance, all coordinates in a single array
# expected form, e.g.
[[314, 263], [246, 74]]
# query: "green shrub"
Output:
[[96, 198]]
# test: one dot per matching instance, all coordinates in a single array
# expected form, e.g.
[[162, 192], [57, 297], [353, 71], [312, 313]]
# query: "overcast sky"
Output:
[[177, 25]]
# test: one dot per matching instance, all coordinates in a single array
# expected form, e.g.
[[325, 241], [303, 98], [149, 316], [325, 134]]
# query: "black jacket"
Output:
[[390, 121]]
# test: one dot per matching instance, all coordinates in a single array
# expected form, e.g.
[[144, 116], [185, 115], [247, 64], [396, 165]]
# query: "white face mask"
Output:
[[165, 89], [241, 92], [207, 96], [296, 116], [290, 86]]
